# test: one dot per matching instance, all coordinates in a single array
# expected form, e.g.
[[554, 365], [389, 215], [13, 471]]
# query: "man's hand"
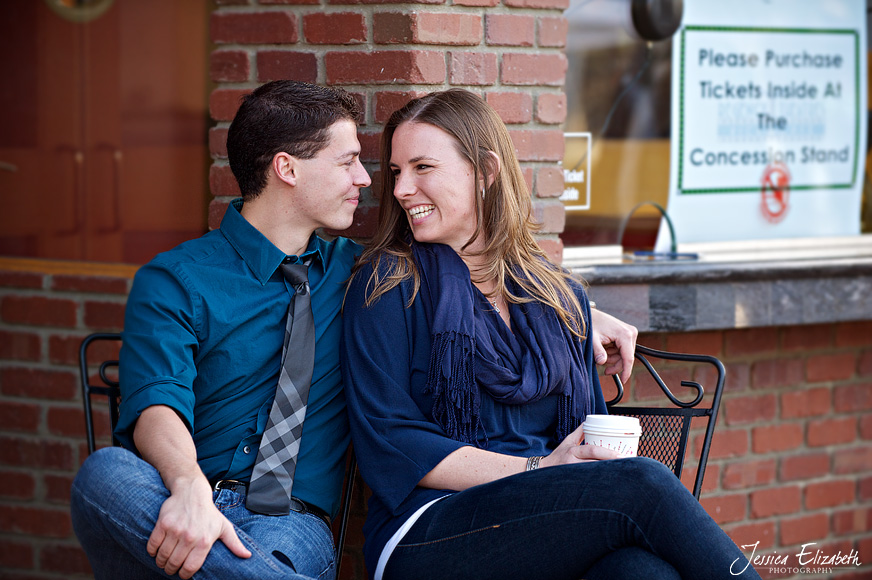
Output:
[[614, 344], [188, 523], [187, 526]]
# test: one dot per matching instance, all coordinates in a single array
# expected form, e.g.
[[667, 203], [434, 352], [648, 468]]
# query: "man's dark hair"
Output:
[[282, 116]]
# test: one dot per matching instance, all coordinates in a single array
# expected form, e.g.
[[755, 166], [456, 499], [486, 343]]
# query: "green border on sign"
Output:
[[756, 187]]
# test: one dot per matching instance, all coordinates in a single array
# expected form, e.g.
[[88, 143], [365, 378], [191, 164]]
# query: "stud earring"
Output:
[[482, 192]]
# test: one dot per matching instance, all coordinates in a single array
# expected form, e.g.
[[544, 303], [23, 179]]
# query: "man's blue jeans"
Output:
[[620, 519], [116, 498]]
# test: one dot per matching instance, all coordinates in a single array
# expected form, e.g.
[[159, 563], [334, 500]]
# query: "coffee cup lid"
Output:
[[611, 422]]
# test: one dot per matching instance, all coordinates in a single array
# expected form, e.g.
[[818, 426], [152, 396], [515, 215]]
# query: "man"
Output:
[[202, 351], [203, 348]]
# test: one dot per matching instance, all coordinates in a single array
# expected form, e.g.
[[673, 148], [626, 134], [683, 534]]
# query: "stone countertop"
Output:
[[826, 284]]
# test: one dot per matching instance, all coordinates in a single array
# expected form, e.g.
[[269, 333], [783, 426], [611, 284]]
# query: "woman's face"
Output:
[[434, 184]]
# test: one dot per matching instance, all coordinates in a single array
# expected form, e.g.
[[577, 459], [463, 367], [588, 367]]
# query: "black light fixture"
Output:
[[655, 20]]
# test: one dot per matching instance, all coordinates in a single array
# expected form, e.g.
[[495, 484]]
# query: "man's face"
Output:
[[329, 184]]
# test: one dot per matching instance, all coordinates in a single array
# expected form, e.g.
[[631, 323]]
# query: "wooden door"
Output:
[[103, 129]]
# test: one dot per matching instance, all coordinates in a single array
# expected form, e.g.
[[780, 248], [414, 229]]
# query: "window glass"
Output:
[[618, 90]]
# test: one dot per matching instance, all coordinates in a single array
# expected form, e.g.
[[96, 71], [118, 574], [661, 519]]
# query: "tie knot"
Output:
[[297, 275]]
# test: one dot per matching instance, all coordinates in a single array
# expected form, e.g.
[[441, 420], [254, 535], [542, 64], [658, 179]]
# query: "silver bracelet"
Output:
[[533, 462]]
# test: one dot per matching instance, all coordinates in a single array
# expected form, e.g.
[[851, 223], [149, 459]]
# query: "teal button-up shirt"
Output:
[[203, 334]]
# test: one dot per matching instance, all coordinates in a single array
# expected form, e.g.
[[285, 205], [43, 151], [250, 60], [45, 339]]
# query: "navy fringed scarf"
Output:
[[472, 350]]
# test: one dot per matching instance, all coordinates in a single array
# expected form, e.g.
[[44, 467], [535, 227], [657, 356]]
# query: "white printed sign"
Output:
[[576, 192], [768, 120]]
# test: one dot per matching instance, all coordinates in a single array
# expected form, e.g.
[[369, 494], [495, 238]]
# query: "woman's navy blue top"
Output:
[[385, 353]]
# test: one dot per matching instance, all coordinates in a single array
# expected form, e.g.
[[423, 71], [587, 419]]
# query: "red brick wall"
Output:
[[510, 52], [791, 461], [44, 313]]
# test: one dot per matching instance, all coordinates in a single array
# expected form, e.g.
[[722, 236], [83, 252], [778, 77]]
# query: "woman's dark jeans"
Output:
[[618, 520]]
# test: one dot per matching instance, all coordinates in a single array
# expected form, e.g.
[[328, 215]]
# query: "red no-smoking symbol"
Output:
[[775, 192]]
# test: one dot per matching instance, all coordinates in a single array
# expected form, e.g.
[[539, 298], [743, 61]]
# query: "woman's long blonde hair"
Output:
[[504, 211]]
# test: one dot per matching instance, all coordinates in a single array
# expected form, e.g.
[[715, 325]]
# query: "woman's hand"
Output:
[[573, 450], [614, 344]]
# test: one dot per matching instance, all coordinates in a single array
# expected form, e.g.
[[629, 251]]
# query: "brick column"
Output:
[[510, 52]]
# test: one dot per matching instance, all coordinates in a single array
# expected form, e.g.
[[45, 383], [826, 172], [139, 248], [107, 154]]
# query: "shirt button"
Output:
[[246, 449]]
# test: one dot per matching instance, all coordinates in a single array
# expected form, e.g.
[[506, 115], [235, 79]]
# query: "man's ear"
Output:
[[285, 168]]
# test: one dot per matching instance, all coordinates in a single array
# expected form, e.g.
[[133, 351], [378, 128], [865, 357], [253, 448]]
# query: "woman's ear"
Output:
[[492, 167], [285, 168]]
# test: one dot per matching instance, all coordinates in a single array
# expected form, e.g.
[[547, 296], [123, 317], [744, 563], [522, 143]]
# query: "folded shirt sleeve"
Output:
[[394, 436], [158, 350]]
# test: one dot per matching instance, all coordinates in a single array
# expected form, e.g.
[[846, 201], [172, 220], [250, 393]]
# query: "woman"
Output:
[[468, 371]]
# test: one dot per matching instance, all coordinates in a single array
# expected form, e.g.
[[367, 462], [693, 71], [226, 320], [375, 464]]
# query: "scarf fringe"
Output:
[[451, 380], [566, 421]]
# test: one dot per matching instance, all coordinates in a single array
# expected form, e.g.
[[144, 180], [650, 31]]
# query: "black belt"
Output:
[[297, 504]]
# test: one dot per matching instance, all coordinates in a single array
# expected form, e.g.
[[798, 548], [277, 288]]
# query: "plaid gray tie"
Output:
[[269, 491]]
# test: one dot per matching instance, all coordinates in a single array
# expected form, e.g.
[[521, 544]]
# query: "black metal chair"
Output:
[[107, 385], [350, 476], [666, 431]]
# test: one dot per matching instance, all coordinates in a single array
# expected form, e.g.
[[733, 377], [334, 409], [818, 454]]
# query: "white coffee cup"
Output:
[[614, 432]]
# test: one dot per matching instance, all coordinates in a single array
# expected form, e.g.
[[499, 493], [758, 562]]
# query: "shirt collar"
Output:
[[260, 254]]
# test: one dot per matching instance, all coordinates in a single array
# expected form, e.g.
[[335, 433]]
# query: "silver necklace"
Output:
[[494, 304]]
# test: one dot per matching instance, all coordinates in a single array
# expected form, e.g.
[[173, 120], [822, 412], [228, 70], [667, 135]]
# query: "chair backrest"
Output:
[[665, 431], [107, 385]]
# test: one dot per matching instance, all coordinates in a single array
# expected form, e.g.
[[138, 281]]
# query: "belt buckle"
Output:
[[230, 484], [298, 506]]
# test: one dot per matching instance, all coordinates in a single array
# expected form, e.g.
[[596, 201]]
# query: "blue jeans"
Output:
[[620, 519], [116, 498]]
